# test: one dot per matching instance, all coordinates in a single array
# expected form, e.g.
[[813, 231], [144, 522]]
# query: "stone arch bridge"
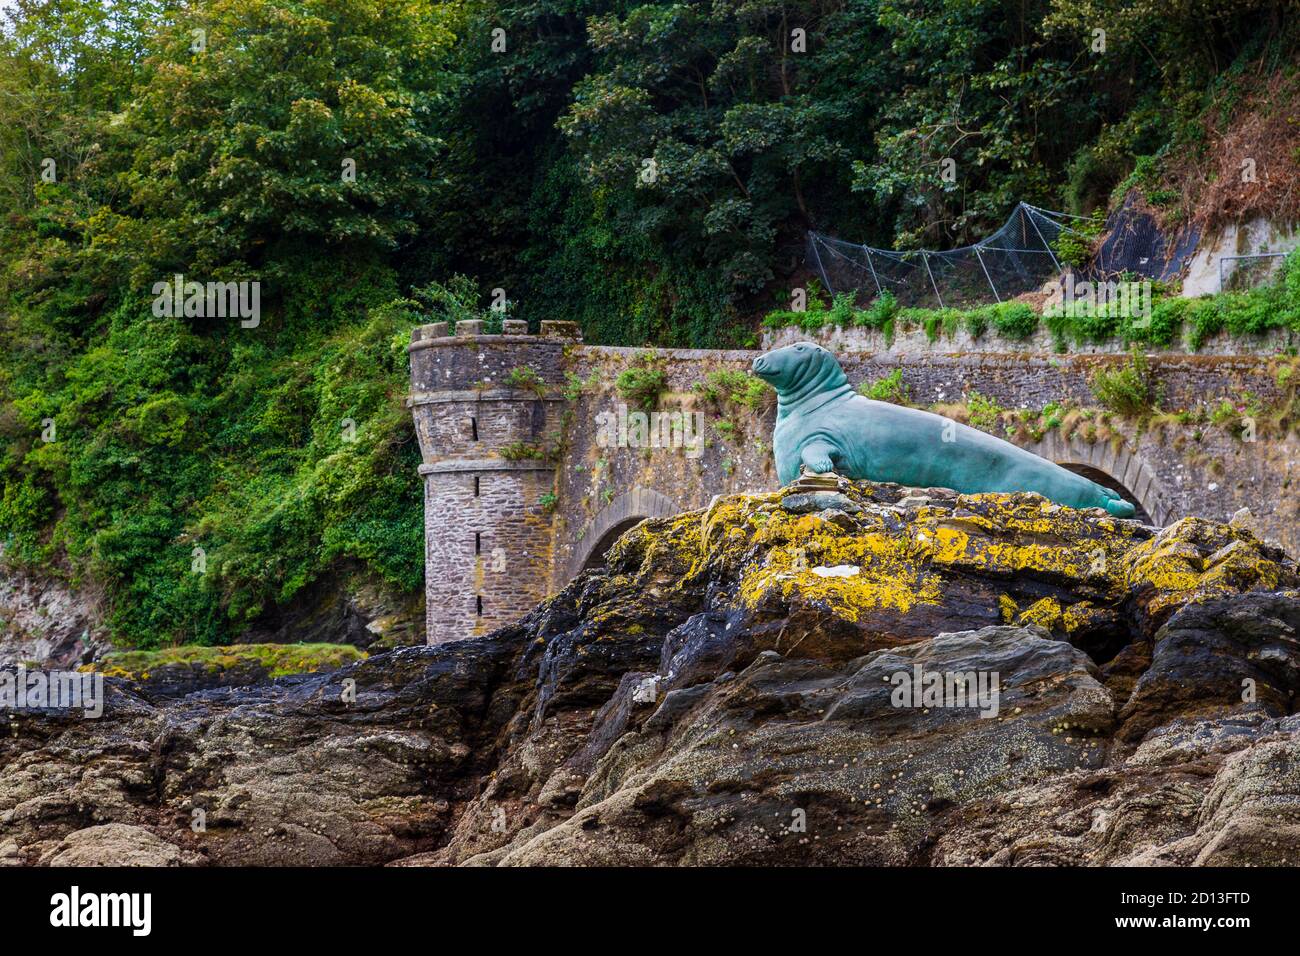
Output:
[[521, 492]]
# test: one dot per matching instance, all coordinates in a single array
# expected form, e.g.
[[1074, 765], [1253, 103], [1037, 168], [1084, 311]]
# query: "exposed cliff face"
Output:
[[725, 692], [44, 623]]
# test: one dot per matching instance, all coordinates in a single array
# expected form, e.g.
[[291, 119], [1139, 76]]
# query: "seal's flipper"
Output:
[[819, 456], [1114, 504], [1120, 508]]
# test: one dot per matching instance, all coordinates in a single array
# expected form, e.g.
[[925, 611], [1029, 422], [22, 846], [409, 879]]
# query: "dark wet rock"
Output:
[[728, 690], [1221, 656], [342, 608]]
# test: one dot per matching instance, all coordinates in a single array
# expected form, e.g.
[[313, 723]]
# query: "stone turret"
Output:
[[487, 411]]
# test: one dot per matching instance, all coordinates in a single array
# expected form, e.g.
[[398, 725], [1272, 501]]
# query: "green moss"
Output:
[[278, 660]]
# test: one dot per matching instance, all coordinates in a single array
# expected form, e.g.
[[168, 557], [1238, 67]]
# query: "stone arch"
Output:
[[619, 515], [1120, 469]]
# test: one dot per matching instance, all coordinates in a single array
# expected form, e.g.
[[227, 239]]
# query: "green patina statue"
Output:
[[823, 424]]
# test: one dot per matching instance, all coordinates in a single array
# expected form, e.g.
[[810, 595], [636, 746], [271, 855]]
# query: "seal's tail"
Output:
[[1116, 505]]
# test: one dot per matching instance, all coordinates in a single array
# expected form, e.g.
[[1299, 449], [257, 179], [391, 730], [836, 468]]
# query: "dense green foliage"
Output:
[[201, 470], [647, 168], [643, 381]]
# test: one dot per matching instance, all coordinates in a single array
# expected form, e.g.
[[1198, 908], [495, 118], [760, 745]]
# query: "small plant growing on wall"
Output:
[[526, 378], [549, 502], [575, 385], [1033, 425], [1128, 390], [644, 381], [891, 388], [734, 387], [984, 412], [738, 395], [1233, 415], [522, 451]]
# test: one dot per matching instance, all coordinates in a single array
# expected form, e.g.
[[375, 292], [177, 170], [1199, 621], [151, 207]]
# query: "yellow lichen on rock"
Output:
[[1082, 615], [664, 547], [881, 573], [1045, 613], [1027, 533], [899, 564], [1195, 559]]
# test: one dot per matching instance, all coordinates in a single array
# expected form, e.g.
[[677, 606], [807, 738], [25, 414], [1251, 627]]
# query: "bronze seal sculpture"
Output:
[[821, 423]]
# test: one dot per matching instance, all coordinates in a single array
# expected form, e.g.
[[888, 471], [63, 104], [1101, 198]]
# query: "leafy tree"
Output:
[[221, 159], [706, 137], [294, 124]]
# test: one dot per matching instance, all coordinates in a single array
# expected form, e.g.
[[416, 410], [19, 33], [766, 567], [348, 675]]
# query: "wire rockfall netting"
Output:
[[1018, 258], [1135, 245]]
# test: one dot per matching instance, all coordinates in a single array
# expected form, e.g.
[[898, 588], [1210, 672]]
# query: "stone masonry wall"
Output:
[[487, 545], [485, 443]]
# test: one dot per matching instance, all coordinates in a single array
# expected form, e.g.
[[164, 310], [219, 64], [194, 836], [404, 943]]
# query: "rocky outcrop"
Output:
[[731, 690], [45, 623], [346, 606]]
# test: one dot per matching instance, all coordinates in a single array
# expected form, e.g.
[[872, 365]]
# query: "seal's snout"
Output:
[[760, 365]]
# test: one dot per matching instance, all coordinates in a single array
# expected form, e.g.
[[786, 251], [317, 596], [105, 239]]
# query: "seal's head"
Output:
[[799, 369]]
